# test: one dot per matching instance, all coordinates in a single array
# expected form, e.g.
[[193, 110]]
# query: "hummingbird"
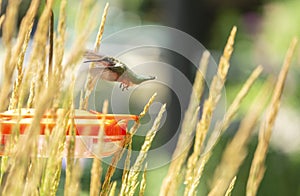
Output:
[[111, 69]]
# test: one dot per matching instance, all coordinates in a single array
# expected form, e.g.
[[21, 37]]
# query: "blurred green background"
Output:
[[265, 28]]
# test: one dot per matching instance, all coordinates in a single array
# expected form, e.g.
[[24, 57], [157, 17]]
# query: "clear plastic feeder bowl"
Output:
[[87, 125]]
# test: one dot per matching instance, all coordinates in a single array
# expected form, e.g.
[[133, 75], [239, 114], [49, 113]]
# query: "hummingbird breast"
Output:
[[106, 74]]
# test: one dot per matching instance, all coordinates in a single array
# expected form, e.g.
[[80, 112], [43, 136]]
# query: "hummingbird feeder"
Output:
[[87, 127]]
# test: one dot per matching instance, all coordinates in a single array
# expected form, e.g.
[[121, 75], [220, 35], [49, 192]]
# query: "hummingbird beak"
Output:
[[149, 78], [152, 77], [146, 78], [92, 61]]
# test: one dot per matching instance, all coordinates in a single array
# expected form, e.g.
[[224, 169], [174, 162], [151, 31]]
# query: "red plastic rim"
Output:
[[86, 123]]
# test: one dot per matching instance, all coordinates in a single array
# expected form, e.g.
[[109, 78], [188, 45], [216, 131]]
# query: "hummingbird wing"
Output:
[[104, 73], [92, 56], [100, 60]]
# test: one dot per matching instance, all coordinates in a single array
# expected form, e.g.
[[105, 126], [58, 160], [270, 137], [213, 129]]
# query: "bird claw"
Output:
[[124, 86]]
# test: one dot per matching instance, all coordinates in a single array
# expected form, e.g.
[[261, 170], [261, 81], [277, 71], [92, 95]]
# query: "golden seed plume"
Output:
[[214, 96], [231, 186], [90, 84], [16, 90], [96, 170], [220, 127], [101, 28], [258, 168], [143, 182], [236, 150], [170, 184], [2, 19], [181, 151], [113, 189], [7, 35], [117, 156], [135, 169], [82, 14]]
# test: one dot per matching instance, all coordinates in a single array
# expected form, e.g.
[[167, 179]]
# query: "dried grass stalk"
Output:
[[16, 90], [145, 110], [192, 174], [72, 174], [10, 147], [143, 182], [196, 176], [257, 168], [21, 45], [38, 55], [77, 52], [34, 174], [214, 96], [220, 127], [113, 189], [41, 35], [73, 168], [56, 145], [117, 156], [96, 171], [82, 17], [50, 47], [101, 28], [22, 166], [128, 144], [41, 77], [2, 19], [171, 183], [60, 39], [73, 186], [90, 84], [7, 35], [236, 151], [231, 186], [59, 42], [3, 167], [135, 169], [26, 22], [10, 22], [188, 126], [20, 161], [126, 166], [31, 93]]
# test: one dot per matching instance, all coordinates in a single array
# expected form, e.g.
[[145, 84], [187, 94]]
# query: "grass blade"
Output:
[[257, 168]]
